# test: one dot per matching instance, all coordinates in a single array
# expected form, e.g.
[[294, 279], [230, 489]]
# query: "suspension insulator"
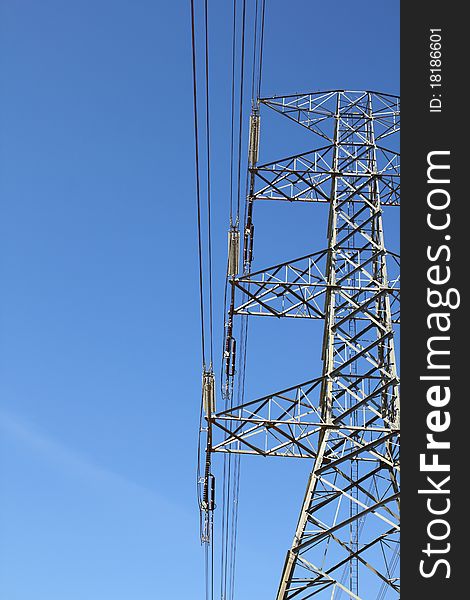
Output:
[[233, 252], [230, 355], [208, 392], [211, 502], [208, 499], [246, 239], [248, 233], [254, 139], [249, 213], [233, 354], [250, 244]]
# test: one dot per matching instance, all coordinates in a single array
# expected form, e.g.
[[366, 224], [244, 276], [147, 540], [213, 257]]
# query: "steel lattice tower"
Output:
[[346, 419]]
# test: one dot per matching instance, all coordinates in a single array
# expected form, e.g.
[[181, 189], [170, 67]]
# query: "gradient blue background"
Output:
[[99, 345]]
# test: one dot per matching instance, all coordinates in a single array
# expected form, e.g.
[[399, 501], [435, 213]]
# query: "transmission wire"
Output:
[[231, 472], [261, 45], [256, 74], [228, 469], [240, 116], [198, 186], [253, 71], [232, 108], [209, 212], [209, 552], [227, 458]]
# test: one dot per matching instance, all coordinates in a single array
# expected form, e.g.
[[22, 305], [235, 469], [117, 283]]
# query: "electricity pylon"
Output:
[[346, 419]]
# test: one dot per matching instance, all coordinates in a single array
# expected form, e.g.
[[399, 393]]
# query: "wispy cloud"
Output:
[[69, 460]]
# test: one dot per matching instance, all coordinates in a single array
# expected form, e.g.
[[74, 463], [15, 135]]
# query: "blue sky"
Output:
[[99, 346]]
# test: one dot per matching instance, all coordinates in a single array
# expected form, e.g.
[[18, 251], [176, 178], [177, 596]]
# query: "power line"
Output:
[[231, 477], [227, 504], [230, 487], [260, 67], [208, 146], [255, 43], [233, 487], [240, 116], [232, 108], [198, 185], [206, 523], [232, 466]]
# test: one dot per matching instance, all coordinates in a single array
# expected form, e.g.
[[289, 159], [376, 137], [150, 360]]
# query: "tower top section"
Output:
[[318, 111]]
